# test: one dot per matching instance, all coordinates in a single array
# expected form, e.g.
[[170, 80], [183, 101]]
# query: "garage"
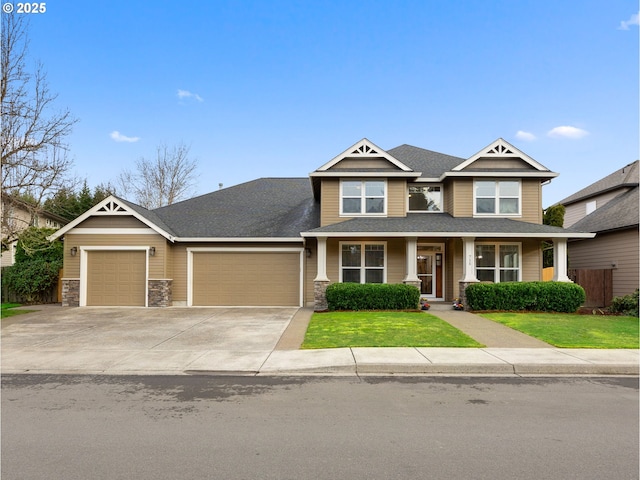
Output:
[[246, 278], [116, 278]]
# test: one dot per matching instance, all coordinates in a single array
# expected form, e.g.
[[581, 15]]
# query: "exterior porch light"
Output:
[[73, 251], [307, 252], [152, 251]]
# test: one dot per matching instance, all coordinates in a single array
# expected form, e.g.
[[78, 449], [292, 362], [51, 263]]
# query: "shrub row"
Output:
[[535, 296], [372, 296], [627, 305]]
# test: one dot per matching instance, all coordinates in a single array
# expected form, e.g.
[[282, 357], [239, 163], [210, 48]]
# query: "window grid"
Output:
[[363, 197], [501, 195], [498, 262], [362, 262]]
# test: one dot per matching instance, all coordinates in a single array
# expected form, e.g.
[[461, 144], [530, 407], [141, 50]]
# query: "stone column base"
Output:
[[320, 295], [463, 295], [70, 292], [160, 293]]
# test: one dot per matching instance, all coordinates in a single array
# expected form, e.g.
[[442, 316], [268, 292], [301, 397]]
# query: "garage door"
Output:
[[246, 278], [116, 278]]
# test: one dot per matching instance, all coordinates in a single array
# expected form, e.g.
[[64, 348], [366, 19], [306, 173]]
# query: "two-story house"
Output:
[[406, 215], [608, 207]]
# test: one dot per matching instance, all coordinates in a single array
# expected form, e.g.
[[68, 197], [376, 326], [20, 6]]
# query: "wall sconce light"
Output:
[[307, 252], [152, 251], [74, 251]]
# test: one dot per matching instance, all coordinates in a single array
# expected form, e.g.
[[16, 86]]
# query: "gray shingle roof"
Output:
[[266, 207], [619, 212], [626, 176], [431, 164], [421, 223], [148, 214]]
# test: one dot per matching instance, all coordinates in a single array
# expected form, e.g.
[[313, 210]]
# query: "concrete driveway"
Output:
[[142, 340]]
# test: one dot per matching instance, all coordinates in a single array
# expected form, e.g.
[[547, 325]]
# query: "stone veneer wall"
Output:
[[70, 292], [160, 293], [463, 296], [320, 295]]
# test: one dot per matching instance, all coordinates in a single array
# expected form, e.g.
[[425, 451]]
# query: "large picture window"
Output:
[[425, 198], [497, 197], [498, 262], [363, 197], [362, 263]]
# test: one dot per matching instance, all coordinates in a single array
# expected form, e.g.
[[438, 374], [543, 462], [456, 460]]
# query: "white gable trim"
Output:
[[108, 207], [501, 149], [364, 149]]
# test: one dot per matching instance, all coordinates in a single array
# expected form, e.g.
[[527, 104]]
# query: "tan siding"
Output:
[[447, 196], [157, 263], [462, 198], [330, 202], [454, 268], [500, 163], [397, 198], [113, 221], [531, 261], [531, 201], [364, 163], [600, 252], [310, 271], [396, 260]]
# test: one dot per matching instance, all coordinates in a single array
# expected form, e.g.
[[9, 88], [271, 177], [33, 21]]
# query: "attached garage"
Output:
[[116, 278], [249, 277]]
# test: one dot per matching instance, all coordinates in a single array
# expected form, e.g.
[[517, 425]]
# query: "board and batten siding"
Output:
[[615, 250], [157, 263]]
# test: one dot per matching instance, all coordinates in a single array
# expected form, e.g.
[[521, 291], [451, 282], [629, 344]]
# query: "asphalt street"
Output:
[[212, 427]]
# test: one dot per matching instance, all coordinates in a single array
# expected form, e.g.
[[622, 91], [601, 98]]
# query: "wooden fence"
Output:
[[597, 284]]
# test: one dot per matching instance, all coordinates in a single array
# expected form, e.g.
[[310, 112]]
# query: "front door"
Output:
[[430, 273]]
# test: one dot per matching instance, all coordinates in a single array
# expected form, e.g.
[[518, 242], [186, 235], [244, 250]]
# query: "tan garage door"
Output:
[[246, 278], [116, 278]]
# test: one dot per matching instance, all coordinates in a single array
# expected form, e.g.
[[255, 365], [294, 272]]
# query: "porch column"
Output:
[[469, 260], [412, 260], [321, 281], [560, 260]]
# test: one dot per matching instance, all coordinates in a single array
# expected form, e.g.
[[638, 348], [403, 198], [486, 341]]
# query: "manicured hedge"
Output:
[[372, 296], [562, 297]]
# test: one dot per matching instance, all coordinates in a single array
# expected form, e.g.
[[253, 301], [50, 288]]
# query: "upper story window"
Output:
[[363, 197], [425, 198], [497, 197]]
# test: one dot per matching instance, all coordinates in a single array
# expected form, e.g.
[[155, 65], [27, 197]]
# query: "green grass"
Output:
[[566, 330], [8, 310], [382, 329]]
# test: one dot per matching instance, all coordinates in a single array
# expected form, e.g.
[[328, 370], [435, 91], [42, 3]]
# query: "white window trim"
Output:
[[362, 263], [363, 197], [496, 269], [497, 198], [410, 184]]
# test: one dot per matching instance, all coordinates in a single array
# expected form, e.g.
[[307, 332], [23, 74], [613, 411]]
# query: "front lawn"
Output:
[[565, 330], [8, 310], [382, 329]]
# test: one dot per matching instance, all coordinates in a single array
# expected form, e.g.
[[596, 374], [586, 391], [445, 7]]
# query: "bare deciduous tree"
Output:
[[161, 181], [34, 152]]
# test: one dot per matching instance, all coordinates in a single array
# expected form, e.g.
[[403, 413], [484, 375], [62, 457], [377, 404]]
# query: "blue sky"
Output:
[[278, 88]]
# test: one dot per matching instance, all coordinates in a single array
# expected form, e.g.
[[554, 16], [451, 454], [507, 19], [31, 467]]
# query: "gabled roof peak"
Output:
[[501, 149], [364, 149]]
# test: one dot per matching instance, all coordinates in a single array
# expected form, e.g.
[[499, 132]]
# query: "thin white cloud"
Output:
[[567, 131], [633, 20], [526, 136], [186, 94], [118, 137]]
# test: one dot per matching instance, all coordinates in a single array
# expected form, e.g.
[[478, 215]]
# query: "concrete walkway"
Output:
[[178, 341]]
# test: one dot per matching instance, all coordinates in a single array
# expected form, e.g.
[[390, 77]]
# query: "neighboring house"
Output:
[[18, 216], [608, 207], [406, 215]]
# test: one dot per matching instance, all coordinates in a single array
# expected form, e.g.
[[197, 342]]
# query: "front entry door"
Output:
[[430, 273]]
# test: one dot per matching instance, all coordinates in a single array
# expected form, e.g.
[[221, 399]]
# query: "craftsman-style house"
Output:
[[405, 215]]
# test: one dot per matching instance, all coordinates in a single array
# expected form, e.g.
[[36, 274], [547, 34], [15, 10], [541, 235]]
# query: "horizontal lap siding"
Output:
[[157, 263], [114, 221], [600, 252], [531, 201]]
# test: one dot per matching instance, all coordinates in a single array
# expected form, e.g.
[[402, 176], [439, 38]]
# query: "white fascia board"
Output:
[[501, 174], [338, 173], [516, 153], [349, 153], [448, 234], [239, 239], [92, 211]]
